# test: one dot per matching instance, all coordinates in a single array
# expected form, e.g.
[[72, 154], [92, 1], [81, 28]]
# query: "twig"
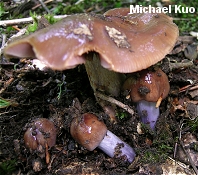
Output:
[[194, 34], [186, 151], [173, 66], [179, 163], [50, 163], [114, 101], [189, 88], [46, 2], [78, 2], [44, 6], [8, 82], [3, 39], [24, 20], [3, 42]]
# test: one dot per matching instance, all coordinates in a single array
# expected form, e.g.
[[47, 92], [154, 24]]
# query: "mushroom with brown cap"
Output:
[[147, 89], [88, 131], [40, 132], [119, 41]]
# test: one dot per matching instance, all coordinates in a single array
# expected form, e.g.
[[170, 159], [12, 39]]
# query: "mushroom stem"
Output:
[[103, 79], [148, 112], [109, 144], [90, 132]]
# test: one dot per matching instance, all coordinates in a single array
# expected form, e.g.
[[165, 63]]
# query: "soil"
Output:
[[59, 96], [52, 94]]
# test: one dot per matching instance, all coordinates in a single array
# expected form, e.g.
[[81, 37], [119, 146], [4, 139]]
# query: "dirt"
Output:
[[36, 94], [33, 93]]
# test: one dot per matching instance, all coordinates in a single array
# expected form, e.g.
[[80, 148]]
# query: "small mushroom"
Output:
[[147, 89], [88, 131], [41, 132]]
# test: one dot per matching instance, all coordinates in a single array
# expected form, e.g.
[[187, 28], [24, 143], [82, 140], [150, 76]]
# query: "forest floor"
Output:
[[30, 93]]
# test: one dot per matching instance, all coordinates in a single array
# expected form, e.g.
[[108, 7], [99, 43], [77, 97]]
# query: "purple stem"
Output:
[[148, 112], [111, 141]]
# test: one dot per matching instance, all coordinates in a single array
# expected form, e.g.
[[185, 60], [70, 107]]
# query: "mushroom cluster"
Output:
[[111, 44], [88, 131]]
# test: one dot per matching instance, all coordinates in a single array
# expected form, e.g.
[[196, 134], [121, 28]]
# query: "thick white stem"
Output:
[[111, 142]]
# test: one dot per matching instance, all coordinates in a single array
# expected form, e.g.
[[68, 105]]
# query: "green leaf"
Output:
[[5, 103]]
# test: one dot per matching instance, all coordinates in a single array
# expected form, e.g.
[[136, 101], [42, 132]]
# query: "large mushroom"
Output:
[[110, 44]]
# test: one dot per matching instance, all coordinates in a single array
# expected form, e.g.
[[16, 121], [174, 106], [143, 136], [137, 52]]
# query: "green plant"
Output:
[[192, 124], [166, 148], [153, 156], [5, 103], [7, 167], [60, 90], [121, 115], [50, 18], [62, 87], [69, 9], [33, 27], [2, 10], [146, 3]]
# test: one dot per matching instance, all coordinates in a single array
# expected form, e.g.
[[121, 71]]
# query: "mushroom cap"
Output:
[[40, 132], [88, 131], [125, 42], [148, 86]]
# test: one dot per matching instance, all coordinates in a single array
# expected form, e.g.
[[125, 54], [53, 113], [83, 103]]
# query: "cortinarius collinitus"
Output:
[[147, 89], [88, 131], [42, 132], [119, 41]]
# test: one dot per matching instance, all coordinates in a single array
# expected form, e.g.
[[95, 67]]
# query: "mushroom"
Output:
[[147, 89], [88, 131], [41, 132], [110, 44]]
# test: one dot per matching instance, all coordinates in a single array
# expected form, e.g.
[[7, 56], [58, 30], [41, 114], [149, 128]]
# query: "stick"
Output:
[[24, 20], [173, 66], [114, 101], [44, 6]]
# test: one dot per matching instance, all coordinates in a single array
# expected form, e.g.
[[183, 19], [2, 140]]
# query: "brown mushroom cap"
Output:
[[41, 132], [125, 42], [88, 131], [148, 86]]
